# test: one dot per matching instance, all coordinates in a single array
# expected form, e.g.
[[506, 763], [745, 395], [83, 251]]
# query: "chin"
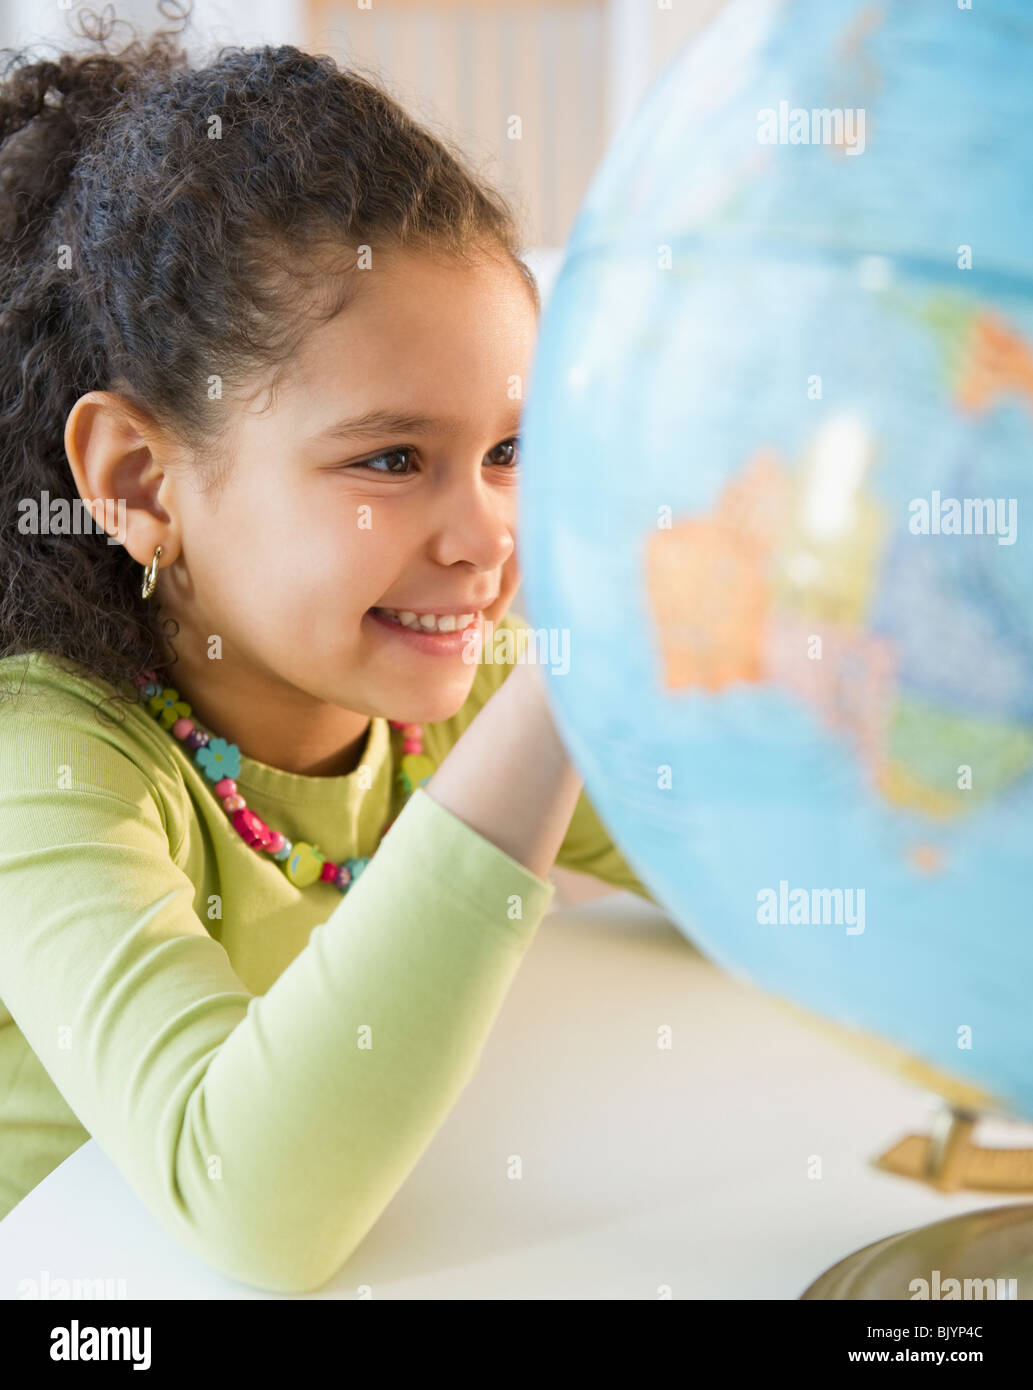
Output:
[[426, 707]]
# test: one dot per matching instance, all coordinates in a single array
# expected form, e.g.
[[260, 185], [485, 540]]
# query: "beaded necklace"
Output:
[[220, 762]]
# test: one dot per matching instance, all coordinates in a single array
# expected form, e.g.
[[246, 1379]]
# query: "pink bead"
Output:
[[328, 873], [252, 829], [276, 841], [412, 745], [234, 802], [225, 786], [412, 730], [182, 727]]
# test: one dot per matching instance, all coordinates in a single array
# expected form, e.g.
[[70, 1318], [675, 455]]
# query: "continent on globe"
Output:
[[845, 674], [944, 763], [786, 561], [709, 582], [790, 582], [986, 358]]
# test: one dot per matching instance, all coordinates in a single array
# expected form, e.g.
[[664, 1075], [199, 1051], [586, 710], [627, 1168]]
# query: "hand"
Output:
[[508, 775]]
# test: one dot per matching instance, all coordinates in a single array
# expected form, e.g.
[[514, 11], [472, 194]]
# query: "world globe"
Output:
[[778, 449]]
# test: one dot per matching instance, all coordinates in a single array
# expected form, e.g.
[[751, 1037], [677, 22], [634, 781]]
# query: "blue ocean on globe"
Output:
[[777, 486]]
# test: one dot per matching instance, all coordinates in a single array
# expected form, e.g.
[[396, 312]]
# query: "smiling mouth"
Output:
[[429, 622]]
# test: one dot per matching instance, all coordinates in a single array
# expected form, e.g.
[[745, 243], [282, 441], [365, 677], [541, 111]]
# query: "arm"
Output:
[[525, 800], [257, 1129]]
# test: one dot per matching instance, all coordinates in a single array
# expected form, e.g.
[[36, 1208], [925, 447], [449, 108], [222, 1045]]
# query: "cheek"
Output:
[[312, 554], [509, 583]]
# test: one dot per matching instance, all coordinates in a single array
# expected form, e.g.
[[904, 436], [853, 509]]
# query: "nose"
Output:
[[475, 522]]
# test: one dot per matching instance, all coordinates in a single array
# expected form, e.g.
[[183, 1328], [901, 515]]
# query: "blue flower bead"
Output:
[[219, 759]]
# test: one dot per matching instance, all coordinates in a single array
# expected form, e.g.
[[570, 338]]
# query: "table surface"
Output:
[[646, 1172]]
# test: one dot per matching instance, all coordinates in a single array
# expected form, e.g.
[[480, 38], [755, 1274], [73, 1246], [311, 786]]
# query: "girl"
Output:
[[267, 329]]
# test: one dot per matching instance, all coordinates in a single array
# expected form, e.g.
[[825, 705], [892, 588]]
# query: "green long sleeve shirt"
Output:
[[264, 1063]]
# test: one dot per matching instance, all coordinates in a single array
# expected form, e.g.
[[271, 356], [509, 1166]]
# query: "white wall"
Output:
[[575, 70], [643, 37], [244, 22]]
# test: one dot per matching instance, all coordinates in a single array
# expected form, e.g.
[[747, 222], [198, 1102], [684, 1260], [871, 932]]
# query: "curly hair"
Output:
[[156, 218]]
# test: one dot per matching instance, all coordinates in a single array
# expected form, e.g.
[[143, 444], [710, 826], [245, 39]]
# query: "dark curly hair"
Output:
[[136, 250]]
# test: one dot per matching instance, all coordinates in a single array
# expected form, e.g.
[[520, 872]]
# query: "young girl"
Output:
[[268, 328]]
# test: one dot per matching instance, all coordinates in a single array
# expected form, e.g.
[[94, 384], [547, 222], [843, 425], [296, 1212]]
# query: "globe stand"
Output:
[[948, 1160], [980, 1254]]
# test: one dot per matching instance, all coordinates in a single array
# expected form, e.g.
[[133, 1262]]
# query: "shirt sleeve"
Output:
[[266, 1133]]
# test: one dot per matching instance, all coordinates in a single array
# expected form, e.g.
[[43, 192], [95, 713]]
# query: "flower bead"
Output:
[[356, 866], [167, 705], [252, 829], [219, 759], [164, 698], [234, 802], [173, 713]]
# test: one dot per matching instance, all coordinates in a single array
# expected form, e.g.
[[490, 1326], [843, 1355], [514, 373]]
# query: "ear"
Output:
[[120, 462]]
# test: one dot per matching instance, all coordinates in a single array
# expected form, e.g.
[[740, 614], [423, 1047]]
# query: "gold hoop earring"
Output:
[[150, 575]]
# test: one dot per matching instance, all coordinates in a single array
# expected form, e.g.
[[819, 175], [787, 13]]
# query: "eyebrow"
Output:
[[390, 422]]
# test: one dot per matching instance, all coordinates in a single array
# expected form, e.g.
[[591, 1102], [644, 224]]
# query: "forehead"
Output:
[[421, 326]]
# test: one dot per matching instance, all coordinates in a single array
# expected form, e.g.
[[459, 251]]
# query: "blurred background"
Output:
[[571, 71]]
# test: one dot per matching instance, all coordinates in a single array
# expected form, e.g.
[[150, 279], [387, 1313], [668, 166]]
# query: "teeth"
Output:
[[430, 622]]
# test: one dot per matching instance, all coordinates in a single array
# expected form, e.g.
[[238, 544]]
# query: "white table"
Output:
[[642, 1168]]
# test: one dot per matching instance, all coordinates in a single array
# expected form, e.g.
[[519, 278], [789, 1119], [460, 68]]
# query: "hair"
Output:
[[157, 218]]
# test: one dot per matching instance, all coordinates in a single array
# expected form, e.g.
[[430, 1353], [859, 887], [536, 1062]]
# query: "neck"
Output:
[[270, 722]]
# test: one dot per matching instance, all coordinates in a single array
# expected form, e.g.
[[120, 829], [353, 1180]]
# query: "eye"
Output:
[[504, 455], [403, 453], [511, 457]]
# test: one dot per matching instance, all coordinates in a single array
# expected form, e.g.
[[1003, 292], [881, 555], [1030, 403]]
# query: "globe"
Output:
[[777, 463]]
